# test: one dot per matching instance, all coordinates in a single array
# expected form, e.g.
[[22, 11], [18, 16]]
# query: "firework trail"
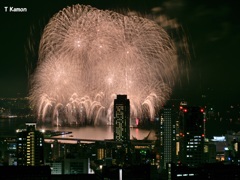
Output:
[[87, 56]]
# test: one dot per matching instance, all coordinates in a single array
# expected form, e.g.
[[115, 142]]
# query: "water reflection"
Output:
[[8, 127]]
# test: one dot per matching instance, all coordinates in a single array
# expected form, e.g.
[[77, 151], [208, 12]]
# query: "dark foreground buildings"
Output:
[[215, 171], [39, 173], [181, 135], [180, 150], [25, 172]]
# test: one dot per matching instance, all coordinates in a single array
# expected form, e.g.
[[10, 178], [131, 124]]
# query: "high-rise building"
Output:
[[191, 136], [168, 135], [121, 119], [30, 146]]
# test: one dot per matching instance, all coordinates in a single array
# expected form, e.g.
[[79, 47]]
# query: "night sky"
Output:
[[212, 28]]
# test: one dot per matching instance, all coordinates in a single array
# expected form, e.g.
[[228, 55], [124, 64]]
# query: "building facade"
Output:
[[121, 119], [167, 134], [30, 146], [191, 136]]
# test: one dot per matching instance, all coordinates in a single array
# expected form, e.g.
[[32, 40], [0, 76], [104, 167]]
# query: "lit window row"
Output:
[[179, 175], [191, 146], [197, 137], [193, 142]]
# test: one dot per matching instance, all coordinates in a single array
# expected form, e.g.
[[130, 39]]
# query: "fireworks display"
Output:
[[87, 56]]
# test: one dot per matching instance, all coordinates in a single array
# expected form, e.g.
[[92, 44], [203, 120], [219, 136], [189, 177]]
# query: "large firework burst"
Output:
[[87, 56]]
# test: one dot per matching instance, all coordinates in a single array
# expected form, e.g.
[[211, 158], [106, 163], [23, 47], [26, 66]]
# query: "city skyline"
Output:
[[139, 89], [211, 29]]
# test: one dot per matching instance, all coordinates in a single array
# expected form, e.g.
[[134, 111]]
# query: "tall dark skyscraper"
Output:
[[121, 119], [168, 135], [191, 135], [30, 146]]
